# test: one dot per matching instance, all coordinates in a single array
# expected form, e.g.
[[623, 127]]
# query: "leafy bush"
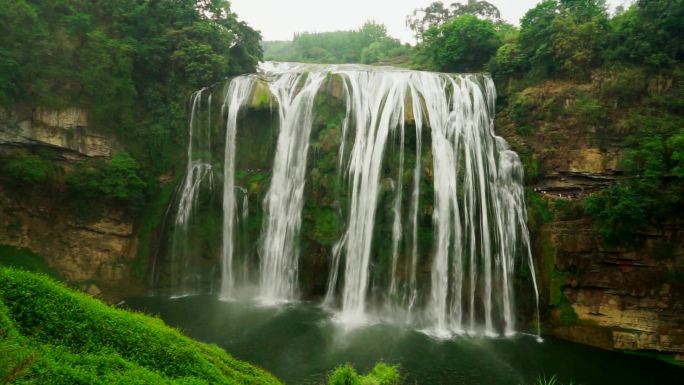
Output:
[[382, 374], [120, 180], [52, 335], [619, 211], [521, 114], [24, 170]]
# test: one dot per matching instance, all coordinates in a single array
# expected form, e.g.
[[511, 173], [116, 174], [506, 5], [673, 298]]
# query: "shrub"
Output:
[[522, 110], [120, 180], [382, 374], [24, 170]]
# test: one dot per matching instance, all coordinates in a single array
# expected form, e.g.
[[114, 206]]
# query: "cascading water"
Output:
[[294, 93], [239, 90], [199, 174], [403, 131]]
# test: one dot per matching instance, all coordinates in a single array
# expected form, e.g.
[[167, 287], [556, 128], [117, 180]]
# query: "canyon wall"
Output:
[[94, 251]]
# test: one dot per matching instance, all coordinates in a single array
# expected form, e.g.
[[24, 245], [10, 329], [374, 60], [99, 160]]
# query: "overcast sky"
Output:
[[280, 19]]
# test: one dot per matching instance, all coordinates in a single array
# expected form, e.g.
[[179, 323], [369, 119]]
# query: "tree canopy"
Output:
[[368, 44], [130, 63]]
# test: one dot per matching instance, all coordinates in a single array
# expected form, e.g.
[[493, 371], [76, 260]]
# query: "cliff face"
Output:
[[95, 252], [624, 298]]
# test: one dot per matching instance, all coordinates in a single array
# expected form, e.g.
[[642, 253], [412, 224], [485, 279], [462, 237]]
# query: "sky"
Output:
[[281, 19]]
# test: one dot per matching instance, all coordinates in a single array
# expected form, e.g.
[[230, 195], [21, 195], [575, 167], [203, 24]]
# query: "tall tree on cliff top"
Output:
[[436, 14]]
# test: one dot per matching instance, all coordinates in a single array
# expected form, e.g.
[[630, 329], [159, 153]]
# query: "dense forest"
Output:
[[132, 65]]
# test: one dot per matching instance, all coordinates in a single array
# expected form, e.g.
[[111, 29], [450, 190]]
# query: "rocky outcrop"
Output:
[[66, 129], [94, 252], [629, 298], [622, 298]]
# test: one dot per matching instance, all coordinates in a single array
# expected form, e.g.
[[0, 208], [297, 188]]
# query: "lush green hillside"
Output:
[[52, 335]]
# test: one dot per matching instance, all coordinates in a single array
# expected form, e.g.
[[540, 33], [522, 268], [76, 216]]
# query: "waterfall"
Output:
[[294, 91], [198, 174], [418, 163], [239, 91]]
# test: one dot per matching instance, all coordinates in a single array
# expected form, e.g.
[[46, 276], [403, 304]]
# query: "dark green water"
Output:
[[299, 344]]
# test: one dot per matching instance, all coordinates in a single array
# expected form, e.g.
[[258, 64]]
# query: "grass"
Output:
[[25, 259], [52, 335]]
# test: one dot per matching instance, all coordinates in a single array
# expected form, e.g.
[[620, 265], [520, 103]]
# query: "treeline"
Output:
[[130, 63], [369, 44]]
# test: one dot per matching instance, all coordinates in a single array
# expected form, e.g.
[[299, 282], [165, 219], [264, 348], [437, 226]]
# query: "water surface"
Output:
[[300, 343]]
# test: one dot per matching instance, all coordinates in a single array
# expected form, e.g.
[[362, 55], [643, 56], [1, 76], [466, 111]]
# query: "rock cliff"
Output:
[[92, 252], [622, 298]]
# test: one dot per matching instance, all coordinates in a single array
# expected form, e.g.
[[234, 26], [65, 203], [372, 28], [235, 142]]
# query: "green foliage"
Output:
[[588, 111], [653, 160], [57, 336], [566, 313], [650, 33], [150, 220], [382, 374], [564, 38], [25, 259], [569, 209], [537, 209], [107, 56], [117, 181], [462, 44], [619, 211], [436, 14], [25, 170], [369, 44], [522, 113], [623, 84]]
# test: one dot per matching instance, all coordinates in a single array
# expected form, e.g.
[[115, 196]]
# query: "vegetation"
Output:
[[52, 335], [382, 374], [118, 180], [368, 44], [462, 44], [25, 259], [106, 56], [23, 169]]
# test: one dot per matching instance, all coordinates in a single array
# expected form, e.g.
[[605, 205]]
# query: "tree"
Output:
[[422, 19], [462, 44], [650, 33], [437, 14], [483, 9]]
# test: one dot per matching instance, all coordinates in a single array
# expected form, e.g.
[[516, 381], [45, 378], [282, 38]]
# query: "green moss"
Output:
[[261, 99], [67, 338], [538, 211], [566, 314], [327, 227]]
